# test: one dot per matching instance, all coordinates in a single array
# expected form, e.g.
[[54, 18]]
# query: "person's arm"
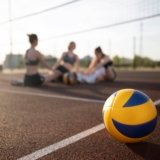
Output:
[[105, 60], [42, 60], [91, 66], [25, 56], [58, 62], [77, 64]]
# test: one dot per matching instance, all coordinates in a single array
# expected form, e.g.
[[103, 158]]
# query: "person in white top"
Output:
[[100, 69]]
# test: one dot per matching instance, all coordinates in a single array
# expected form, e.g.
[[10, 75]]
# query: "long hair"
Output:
[[98, 50]]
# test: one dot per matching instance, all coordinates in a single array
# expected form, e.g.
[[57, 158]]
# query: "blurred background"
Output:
[[127, 30]]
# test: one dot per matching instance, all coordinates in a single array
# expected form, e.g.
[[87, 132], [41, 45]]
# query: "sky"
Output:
[[78, 16]]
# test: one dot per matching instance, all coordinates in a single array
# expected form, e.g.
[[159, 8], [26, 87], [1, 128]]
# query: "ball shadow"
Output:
[[146, 150]]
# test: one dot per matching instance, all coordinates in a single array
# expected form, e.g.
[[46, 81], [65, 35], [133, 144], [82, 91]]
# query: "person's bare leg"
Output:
[[54, 75]]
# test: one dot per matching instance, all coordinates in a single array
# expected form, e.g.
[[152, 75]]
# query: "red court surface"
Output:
[[32, 119]]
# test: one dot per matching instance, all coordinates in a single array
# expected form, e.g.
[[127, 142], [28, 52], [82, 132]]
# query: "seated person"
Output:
[[67, 63], [32, 59], [100, 69]]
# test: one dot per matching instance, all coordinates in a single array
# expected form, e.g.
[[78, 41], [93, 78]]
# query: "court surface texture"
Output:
[[61, 122]]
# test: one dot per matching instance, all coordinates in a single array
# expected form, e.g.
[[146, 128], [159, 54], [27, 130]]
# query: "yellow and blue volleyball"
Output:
[[129, 115]]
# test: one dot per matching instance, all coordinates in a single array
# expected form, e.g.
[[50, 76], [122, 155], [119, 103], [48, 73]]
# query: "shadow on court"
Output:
[[146, 150], [79, 90], [101, 90]]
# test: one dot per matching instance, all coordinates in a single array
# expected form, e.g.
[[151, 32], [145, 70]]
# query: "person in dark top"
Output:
[[69, 62], [100, 69], [32, 59]]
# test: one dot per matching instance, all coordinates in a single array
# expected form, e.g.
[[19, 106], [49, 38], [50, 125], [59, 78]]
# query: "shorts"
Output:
[[62, 69], [33, 80]]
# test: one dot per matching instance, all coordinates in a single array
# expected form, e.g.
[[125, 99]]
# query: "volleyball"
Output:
[[129, 115]]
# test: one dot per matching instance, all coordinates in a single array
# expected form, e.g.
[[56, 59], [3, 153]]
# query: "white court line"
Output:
[[59, 96], [157, 102], [52, 96], [56, 146], [47, 150]]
